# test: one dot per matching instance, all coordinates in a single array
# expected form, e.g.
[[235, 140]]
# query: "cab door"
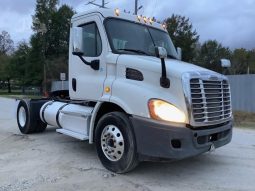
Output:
[[87, 83]]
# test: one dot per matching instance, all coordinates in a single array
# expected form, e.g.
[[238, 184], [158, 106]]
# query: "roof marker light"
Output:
[[164, 26], [139, 17], [117, 12], [145, 19], [151, 20]]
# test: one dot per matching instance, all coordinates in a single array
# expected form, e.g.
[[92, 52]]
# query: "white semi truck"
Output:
[[131, 95]]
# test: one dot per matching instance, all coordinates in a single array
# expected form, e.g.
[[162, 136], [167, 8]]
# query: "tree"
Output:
[[50, 40], [52, 25], [43, 13], [181, 31], [210, 54], [59, 38], [53, 22], [35, 62], [4, 61], [18, 66], [251, 61], [60, 31], [5, 74], [6, 43], [42, 20], [6, 47], [240, 61], [42, 25]]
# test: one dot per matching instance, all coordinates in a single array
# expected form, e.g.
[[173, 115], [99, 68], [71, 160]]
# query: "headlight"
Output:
[[161, 110]]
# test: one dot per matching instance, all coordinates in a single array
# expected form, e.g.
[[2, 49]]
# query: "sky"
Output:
[[231, 22]]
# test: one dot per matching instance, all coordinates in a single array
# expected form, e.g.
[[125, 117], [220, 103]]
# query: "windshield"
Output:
[[134, 38]]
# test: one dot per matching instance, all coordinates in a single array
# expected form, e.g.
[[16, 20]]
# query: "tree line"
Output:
[[47, 48], [209, 53]]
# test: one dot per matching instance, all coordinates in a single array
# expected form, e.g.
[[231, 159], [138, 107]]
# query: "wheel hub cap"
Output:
[[22, 117], [112, 143]]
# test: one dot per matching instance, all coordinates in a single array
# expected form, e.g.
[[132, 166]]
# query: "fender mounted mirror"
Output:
[[161, 52], [225, 63], [179, 53]]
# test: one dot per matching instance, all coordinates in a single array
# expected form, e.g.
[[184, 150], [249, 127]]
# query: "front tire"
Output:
[[115, 143]]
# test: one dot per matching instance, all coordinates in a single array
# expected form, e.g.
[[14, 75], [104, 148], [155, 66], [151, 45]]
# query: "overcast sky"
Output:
[[231, 22]]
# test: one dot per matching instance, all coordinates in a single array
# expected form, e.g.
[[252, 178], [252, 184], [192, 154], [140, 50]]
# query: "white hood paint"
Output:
[[175, 68]]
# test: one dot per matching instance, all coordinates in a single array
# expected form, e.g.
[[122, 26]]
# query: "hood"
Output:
[[175, 68]]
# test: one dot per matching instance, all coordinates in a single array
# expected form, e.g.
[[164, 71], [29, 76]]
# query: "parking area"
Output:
[[51, 161]]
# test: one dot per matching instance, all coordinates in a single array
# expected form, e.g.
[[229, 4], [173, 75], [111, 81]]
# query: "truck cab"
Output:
[[132, 96]]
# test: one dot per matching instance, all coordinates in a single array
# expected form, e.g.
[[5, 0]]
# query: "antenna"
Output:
[[137, 8], [92, 2]]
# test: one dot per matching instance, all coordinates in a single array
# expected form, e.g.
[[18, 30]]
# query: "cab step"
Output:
[[79, 136]]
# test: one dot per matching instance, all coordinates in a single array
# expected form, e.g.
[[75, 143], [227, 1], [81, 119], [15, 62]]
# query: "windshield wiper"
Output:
[[134, 50]]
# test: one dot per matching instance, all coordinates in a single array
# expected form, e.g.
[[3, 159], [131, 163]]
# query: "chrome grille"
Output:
[[210, 100]]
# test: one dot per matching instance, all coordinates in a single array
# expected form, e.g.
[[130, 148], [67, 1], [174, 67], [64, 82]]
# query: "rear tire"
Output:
[[115, 143], [27, 121]]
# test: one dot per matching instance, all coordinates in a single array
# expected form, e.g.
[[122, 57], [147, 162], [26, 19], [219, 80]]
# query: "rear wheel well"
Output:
[[105, 108]]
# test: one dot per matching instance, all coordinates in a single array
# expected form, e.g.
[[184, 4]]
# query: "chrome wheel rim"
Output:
[[112, 143], [22, 116]]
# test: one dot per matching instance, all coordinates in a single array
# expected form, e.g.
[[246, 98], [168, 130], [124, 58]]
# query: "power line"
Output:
[[136, 7], [98, 5], [92, 2]]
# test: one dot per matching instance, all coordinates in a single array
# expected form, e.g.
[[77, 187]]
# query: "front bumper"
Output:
[[160, 141]]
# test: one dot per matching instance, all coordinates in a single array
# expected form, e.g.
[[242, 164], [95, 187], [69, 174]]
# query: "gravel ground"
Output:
[[52, 161]]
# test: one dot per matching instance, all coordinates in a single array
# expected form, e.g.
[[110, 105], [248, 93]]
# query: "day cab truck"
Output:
[[132, 96]]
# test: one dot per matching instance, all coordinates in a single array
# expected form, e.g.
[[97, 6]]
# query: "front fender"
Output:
[[133, 96]]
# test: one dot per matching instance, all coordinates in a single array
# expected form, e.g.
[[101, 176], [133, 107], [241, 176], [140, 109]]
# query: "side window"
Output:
[[92, 40]]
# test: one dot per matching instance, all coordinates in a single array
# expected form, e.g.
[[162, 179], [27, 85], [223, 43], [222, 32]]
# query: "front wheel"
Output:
[[115, 143]]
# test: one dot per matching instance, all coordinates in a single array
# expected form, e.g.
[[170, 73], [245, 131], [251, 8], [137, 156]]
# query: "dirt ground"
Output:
[[52, 161]]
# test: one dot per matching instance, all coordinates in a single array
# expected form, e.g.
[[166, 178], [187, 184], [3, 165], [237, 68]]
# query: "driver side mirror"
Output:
[[77, 41], [179, 53], [78, 48]]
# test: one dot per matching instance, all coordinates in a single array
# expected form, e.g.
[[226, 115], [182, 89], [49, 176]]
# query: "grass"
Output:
[[18, 95], [14, 92], [21, 96], [244, 119]]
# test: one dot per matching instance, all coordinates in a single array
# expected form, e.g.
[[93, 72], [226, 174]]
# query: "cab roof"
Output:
[[111, 13]]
